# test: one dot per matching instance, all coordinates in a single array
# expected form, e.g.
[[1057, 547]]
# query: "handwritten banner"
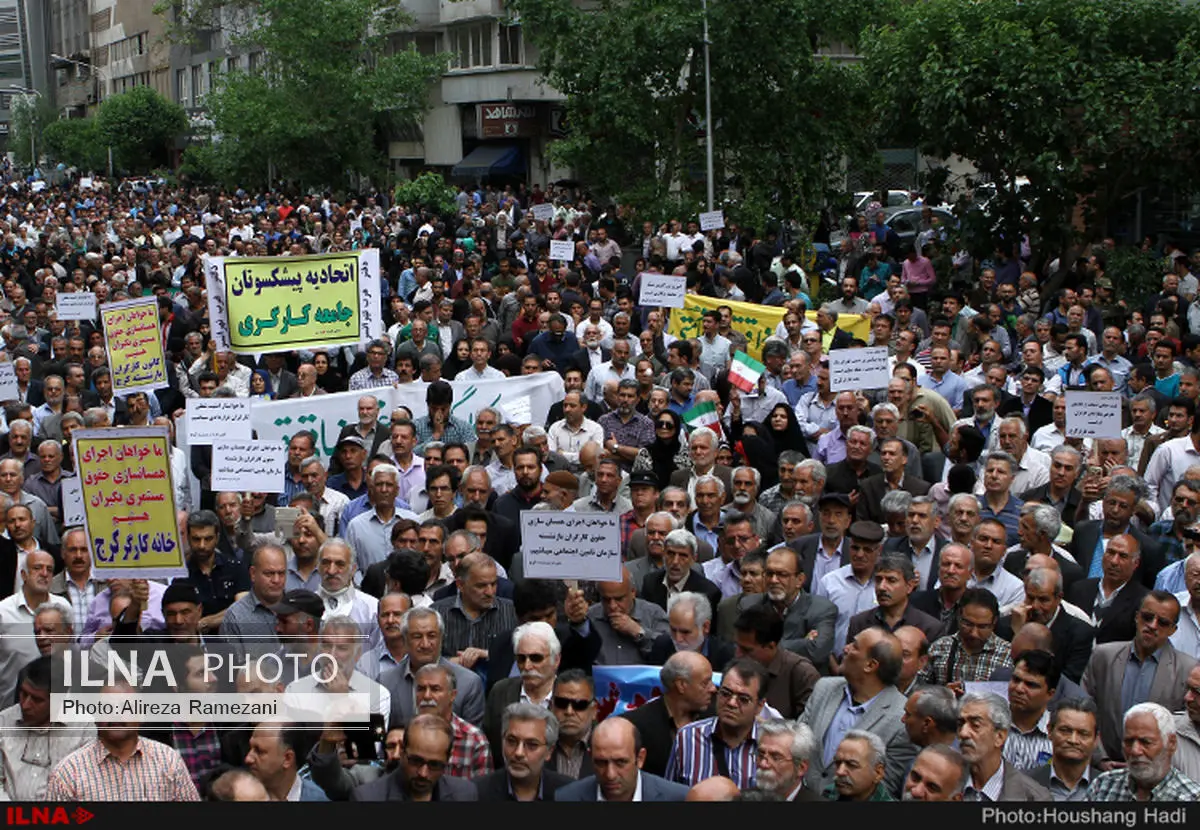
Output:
[[325, 415], [129, 502], [254, 466], [72, 499], [271, 304], [77, 305], [757, 322], [712, 221], [1093, 414], [543, 212], [562, 249], [858, 368], [662, 290], [561, 545], [9, 389], [134, 343], [214, 419]]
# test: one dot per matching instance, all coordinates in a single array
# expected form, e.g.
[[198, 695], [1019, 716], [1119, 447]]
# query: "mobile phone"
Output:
[[1095, 471]]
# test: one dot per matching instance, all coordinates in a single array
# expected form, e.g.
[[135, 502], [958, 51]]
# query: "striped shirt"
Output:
[[1029, 750], [154, 772], [462, 632], [693, 757]]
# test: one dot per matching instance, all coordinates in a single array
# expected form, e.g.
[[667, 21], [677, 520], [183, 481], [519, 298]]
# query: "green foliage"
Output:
[[31, 115], [328, 89], [141, 126], [76, 142], [633, 73], [1088, 100], [428, 190], [1137, 273]]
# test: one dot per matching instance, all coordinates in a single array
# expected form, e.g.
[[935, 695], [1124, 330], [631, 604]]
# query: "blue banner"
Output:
[[621, 688]]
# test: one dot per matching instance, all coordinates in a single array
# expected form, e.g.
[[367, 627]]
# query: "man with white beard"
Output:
[[784, 750], [690, 616], [336, 564], [1150, 743], [746, 483]]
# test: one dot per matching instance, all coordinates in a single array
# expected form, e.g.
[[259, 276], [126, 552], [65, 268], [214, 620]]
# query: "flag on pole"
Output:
[[703, 415], [745, 371]]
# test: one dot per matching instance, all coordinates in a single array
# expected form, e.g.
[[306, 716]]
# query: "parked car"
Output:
[[905, 221]]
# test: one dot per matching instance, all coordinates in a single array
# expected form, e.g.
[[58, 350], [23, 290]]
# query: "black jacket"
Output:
[[1087, 534], [1042, 494], [1073, 639], [1041, 412], [654, 590], [1119, 621], [494, 787], [658, 733]]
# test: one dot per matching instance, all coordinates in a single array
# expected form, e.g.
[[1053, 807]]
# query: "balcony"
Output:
[[457, 11], [471, 86]]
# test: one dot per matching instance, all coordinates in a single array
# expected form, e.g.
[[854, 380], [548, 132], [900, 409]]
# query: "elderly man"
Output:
[[1150, 743], [423, 630], [984, 722], [786, 749], [12, 482], [617, 755], [538, 655], [335, 563], [328, 502], [939, 773], [1073, 741], [369, 534], [628, 626], [529, 733], [678, 573]]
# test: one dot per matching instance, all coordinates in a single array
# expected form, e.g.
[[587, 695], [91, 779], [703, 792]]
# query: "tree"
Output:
[[633, 75], [141, 127], [318, 106], [76, 142], [1088, 100], [428, 190], [31, 115]]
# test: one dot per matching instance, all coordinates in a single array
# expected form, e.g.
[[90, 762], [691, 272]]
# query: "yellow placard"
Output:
[[129, 502], [134, 343], [266, 304], [757, 322]]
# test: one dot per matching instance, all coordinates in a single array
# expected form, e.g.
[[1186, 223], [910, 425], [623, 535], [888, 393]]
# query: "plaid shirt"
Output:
[[471, 755], [364, 379], [638, 432], [201, 753], [950, 661], [1114, 786], [1172, 546], [773, 499], [456, 432], [629, 524], [154, 772]]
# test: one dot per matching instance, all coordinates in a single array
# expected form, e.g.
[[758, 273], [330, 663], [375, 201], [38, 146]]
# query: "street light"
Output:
[[28, 93], [99, 73], [708, 118]]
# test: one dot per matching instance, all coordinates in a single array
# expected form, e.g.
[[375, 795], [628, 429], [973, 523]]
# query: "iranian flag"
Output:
[[703, 415], [745, 371]]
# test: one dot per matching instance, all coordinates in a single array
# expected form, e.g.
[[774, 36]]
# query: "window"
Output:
[[426, 43], [256, 61], [471, 46], [198, 89], [183, 87], [512, 46], [130, 47], [231, 65], [128, 82], [101, 21]]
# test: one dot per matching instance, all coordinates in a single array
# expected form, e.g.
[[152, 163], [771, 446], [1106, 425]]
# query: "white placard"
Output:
[[859, 369], [996, 687], [9, 390], [355, 224], [1093, 414], [519, 411], [558, 545], [713, 221], [562, 249], [197, 231], [77, 305], [85, 183], [72, 501], [543, 212], [249, 466], [661, 290], [38, 187], [215, 419]]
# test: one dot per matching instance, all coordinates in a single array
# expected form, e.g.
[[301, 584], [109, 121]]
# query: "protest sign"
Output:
[[562, 249], [78, 305], [72, 501], [560, 545], [712, 221], [9, 389], [85, 183], [657, 290], [134, 343], [519, 411], [1093, 414], [271, 304], [254, 466], [129, 502], [858, 369], [543, 212], [215, 419], [757, 322]]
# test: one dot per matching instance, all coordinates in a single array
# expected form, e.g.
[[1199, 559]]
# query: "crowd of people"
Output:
[[927, 592]]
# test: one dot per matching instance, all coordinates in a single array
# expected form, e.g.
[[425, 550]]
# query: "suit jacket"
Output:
[[883, 718], [391, 788], [502, 694], [933, 465], [901, 544], [468, 703], [658, 732], [807, 547], [1073, 641], [839, 478], [872, 490], [8, 567], [654, 590], [494, 786], [653, 789], [1106, 672], [34, 395], [289, 385], [930, 602], [1015, 561], [680, 478], [1117, 622], [581, 361], [808, 613], [1042, 494], [503, 536], [1020, 787], [637, 550], [577, 653], [1087, 534], [842, 339], [791, 682], [1040, 413]]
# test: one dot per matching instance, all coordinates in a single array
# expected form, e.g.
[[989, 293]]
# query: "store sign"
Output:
[[508, 120]]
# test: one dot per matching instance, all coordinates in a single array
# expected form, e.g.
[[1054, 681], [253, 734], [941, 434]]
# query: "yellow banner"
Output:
[[134, 343], [270, 304], [129, 502], [757, 322]]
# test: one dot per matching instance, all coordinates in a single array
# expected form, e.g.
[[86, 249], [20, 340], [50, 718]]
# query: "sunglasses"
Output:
[[1149, 616], [571, 703], [536, 659], [665, 425]]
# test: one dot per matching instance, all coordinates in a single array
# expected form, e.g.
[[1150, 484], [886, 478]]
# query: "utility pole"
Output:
[[708, 116]]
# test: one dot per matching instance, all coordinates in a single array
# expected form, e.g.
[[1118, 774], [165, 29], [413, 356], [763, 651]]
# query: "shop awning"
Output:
[[489, 160]]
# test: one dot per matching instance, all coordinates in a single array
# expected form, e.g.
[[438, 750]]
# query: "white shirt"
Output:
[[593, 390], [568, 442], [381, 698], [1135, 443], [17, 647], [637, 793], [606, 329], [1186, 638], [1168, 464], [330, 506], [1033, 470], [1004, 586], [488, 373]]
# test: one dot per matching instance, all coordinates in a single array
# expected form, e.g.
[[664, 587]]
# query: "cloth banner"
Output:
[[621, 688], [757, 322]]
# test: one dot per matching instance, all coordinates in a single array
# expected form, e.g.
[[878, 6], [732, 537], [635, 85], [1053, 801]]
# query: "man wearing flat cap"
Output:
[[559, 490], [851, 588]]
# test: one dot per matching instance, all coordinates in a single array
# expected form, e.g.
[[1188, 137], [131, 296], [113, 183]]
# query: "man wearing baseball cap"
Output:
[[643, 492], [298, 625], [351, 454]]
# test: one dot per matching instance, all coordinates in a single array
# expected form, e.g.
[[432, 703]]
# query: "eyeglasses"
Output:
[[571, 703], [1150, 616], [665, 425], [513, 742], [965, 623], [438, 488], [416, 762], [536, 659], [730, 695]]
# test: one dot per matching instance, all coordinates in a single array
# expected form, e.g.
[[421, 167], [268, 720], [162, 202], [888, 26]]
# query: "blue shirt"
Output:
[[1169, 386], [844, 719], [951, 387], [1008, 516], [793, 390], [680, 408], [559, 351]]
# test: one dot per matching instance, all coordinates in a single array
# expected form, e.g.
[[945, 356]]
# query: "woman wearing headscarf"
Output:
[[668, 451]]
